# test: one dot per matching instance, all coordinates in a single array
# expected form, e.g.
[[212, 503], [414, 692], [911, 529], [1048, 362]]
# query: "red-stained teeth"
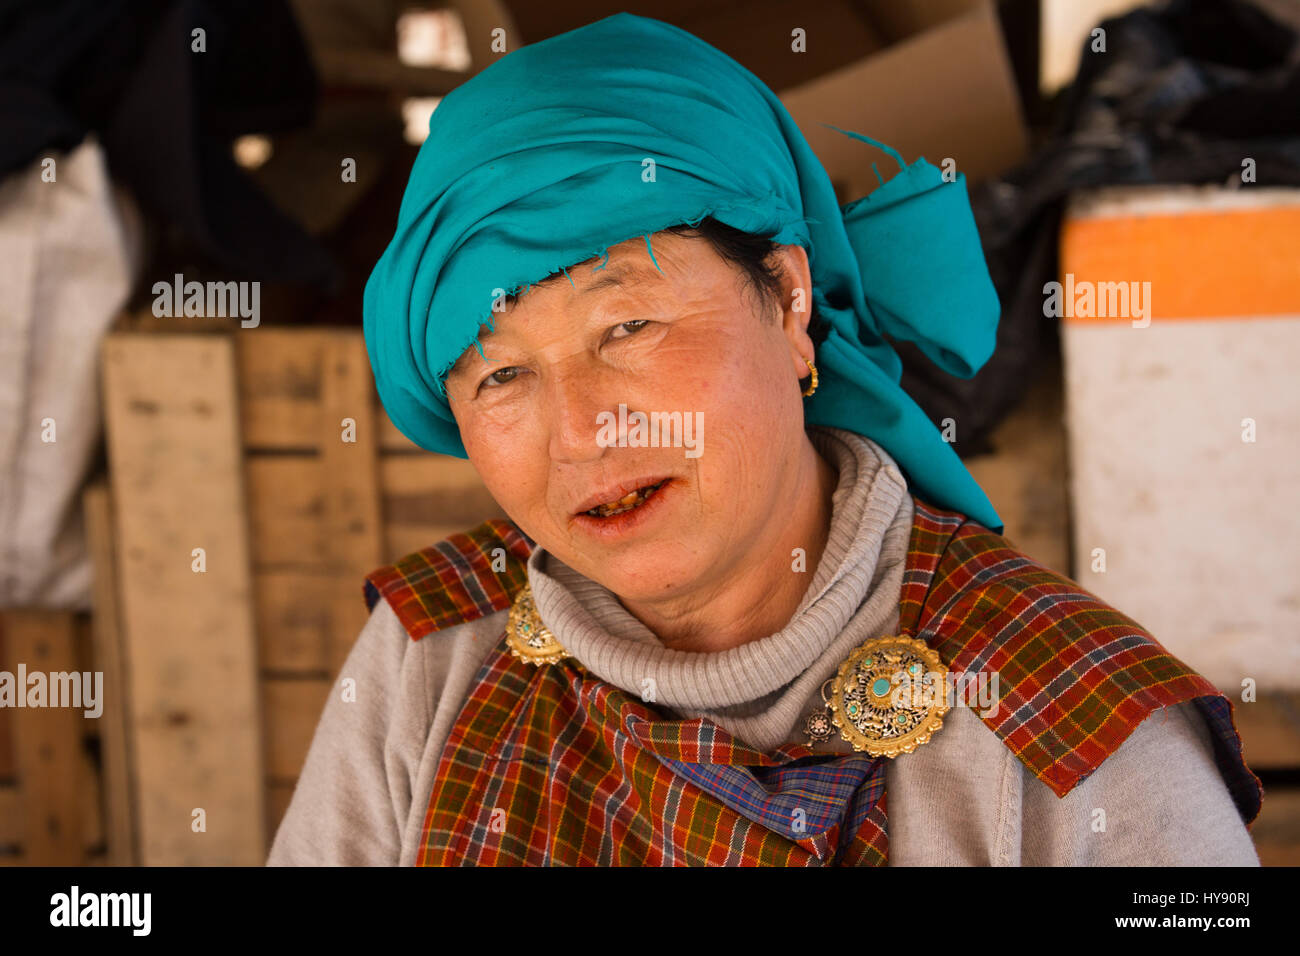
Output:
[[629, 501]]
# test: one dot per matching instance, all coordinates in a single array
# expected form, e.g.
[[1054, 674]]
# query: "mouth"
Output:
[[629, 502]]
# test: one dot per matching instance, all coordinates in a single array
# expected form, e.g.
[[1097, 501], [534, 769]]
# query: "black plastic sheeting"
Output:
[[1182, 94], [166, 115]]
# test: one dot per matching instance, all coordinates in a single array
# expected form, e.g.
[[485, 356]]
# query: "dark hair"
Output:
[[752, 253]]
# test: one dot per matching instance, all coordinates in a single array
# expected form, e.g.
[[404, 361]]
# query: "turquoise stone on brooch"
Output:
[[887, 698], [528, 638]]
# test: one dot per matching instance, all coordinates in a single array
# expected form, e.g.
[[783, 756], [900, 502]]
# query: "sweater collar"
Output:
[[595, 628]]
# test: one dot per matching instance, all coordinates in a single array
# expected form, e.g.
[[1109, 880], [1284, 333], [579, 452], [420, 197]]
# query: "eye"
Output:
[[635, 325], [492, 381]]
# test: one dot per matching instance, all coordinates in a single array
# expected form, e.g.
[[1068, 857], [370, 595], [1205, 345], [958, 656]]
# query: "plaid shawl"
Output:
[[550, 765]]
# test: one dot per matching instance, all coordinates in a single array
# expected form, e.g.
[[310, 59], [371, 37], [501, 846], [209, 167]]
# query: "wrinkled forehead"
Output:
[[623, 268]]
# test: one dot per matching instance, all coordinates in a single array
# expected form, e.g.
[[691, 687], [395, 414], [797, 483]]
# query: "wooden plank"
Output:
[[294, 619], [392, 440], [143, 321], [12, 814], [424, 499], [286, 499], [1269, 728], [407, 539], [310, 606], [353, 529], [282, 385], [106, 635], [293, 709], [8, 768], [91, 795], [178, 485], [1276, 831], [434, 489], [11, 818], [91, 799], [280, 388], [278, 795], [428, 497], [48, 739]]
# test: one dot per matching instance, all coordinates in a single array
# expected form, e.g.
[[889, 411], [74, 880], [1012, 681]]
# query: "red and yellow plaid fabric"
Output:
[[1076, 675], [458, 579], [551, 765]]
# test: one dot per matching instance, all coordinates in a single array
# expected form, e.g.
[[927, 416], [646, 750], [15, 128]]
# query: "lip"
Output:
[[621, 525], [614, 492]]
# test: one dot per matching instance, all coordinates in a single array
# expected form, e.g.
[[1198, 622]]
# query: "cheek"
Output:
[[505, 431], [511, 470], [734, 380], [751, 421]]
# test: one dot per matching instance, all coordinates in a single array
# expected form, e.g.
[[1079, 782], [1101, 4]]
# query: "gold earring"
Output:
[[813, 387]]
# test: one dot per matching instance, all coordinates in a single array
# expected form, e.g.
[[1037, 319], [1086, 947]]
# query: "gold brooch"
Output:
[[528, 638], [888, 698]]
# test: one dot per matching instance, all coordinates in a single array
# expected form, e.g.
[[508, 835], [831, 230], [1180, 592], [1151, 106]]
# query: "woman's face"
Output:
[[540, 417]]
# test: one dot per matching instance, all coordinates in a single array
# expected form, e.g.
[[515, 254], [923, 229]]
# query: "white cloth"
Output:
[[70, 249]]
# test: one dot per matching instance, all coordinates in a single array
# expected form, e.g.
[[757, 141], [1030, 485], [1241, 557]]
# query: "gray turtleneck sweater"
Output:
[[962, 799]]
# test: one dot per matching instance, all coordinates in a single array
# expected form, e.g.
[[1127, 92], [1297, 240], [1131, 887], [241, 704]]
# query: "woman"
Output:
[[749, 608]]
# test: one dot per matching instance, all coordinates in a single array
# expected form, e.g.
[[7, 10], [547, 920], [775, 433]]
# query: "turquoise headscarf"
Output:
[[539, 162]]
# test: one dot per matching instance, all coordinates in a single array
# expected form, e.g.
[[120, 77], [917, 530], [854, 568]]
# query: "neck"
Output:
[[753, 602]]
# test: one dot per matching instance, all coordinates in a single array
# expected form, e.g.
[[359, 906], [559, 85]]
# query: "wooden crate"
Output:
[[277, 453], [1270, 739], [316, 514], [325, 511], [51, 795]]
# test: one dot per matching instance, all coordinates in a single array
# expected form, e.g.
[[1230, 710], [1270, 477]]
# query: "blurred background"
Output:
[[189, 502]]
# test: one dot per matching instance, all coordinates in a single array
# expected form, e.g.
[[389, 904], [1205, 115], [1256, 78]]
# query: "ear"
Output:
[[796, 304]]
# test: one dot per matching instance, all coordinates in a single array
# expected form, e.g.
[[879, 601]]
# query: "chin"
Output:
[[636, 587], [637, 576]]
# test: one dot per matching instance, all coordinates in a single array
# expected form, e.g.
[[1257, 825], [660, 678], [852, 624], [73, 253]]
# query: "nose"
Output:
[[574, 398]]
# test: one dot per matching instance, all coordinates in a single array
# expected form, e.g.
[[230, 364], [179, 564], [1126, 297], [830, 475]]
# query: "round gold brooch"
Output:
[[527, 637], [888, 697]]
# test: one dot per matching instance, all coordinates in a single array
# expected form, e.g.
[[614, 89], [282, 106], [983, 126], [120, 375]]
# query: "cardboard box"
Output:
[[928, 77], [941, 87], [757, 34]]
